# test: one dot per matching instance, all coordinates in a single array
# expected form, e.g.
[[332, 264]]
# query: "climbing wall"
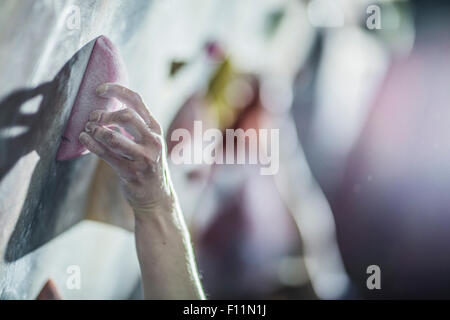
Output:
[[44, 49]]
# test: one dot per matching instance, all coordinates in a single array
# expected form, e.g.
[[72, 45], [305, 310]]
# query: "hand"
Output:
[[139, 159]]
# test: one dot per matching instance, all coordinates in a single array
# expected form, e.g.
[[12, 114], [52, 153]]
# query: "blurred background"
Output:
[[358, 89]]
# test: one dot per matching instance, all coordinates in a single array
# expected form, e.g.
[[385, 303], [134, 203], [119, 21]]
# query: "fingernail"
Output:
[[95, 116], [89, 127], [101, 89], [82, 137]]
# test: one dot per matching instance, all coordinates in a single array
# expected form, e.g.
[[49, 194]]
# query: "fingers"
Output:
[[130, 99], [124, 158], [156, 145], [125, 118], [113, 141], [96, 147], [135, 160]]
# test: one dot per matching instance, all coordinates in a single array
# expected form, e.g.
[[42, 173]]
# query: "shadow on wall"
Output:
[[56, 189]]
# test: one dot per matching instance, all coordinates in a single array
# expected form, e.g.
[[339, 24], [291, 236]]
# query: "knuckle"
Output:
[[95, 131], [158, 145], [146, 157], [125, 116], [122, 90], [135, 97], [109, 138], [95, 115], [90, 145], [149, 161], [158, 142], [93, 147], [143, 165], [97, 150], [113, 142]]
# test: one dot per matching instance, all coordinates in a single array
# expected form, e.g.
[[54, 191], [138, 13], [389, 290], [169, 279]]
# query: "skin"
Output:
[[162, 241]]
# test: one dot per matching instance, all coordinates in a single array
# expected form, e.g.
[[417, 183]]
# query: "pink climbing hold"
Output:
[[105, 65]]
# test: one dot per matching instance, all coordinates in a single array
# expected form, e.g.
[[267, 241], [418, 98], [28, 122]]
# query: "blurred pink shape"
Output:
[[105, 65]]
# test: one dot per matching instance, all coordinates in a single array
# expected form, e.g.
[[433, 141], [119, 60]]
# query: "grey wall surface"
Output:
[[44, 59]]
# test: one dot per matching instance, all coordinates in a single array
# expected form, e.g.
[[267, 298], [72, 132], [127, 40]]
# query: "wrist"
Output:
[[162, 223], [163, 208]]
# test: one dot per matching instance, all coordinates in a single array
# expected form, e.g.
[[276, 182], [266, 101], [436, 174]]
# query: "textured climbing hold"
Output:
[[105, 65]]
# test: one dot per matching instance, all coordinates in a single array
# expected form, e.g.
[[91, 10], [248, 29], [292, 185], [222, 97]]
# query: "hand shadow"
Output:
[[57, 190]]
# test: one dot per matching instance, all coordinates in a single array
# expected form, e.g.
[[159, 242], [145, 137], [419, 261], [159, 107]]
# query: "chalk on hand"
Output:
[[105, 65]]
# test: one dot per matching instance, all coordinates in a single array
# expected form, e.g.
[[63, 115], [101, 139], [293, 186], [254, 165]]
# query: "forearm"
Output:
[[165, 254]]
